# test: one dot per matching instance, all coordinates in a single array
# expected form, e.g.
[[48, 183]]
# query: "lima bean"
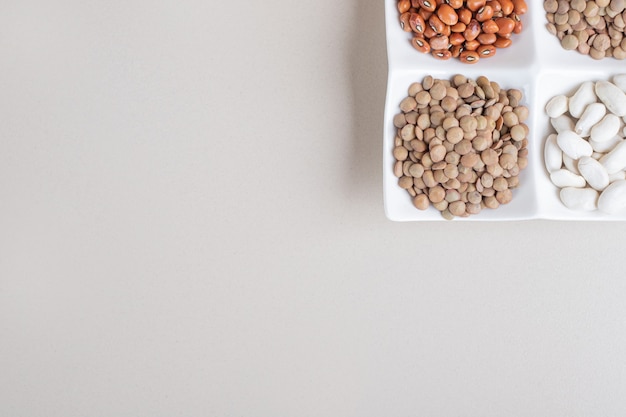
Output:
[[605, 129], [585, 199], [605, 146], [573, 145], [565, 178], [612, 96], [616, 159], [562, 123], [584, 96], [592, 114], [557, 106], [620, 81], [613, 198], [593, 172], [553, 156]]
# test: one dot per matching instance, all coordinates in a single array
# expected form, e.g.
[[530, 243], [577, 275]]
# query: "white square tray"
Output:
[[536, 64]]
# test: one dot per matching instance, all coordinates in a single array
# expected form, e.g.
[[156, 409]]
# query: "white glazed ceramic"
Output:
[[536, 64]]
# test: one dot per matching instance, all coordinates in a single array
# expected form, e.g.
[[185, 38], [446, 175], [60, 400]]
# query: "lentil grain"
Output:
[[461, 144]]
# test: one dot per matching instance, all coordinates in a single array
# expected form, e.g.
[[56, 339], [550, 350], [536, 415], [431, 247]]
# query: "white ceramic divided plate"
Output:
[[537, 65]]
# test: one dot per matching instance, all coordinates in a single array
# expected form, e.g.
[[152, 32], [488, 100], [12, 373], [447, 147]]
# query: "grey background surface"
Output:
[[191, 224]]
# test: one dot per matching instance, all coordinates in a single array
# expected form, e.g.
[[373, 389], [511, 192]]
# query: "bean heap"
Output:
[[595, 28], [586, 157], [468, 30], [460, 144]]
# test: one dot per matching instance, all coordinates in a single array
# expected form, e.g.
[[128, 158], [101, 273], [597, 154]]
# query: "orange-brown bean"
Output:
[[439, 42], [404, 21], [520, 7], [472, 30], [447, 14], [437, 25], [420, 44], [484, 13], [429, 32], [486, 38], [404, 6], [416, 23], [486, 51], [502, 42], [469, 57], [458, 28], [456, 39], [465, 16], [505, 25], [467, 29], [474, 5], [471, 45], [424, 13], [428, 5], [495, 5], [507, 7], [490, 27], [442, 54]]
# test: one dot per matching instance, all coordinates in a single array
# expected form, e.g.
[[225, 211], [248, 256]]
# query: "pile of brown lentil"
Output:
[[468, 30], [460, 144], [595, 28]]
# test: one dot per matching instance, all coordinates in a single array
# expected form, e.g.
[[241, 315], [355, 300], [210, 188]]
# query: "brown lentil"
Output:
[[399, 120], [411, 117], [408, 104], [463, 157], [421, 202], [416, 170], [504, 196], [595, 28]]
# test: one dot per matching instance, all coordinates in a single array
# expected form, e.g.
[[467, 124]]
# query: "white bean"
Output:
[[562, 123], [573, 145], [552, 154], [570, 164], [564, 178], [593, 172], [557, 106], [607, 146], [584, 96], [586, 157], [612, 96], [606, 128], [579, 198], [620, 81], [619, 175], [593, 114], [613, 198], [616, 159]]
